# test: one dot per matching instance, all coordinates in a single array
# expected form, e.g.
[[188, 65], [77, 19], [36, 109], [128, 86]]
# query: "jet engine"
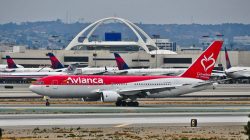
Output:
[[110, 96]]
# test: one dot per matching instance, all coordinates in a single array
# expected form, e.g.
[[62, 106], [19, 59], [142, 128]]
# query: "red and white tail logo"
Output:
[[203, 66], [207, 62]]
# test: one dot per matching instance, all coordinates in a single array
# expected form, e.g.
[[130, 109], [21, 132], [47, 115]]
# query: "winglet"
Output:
[[203, 66], [120, 62], [56, 64], [227, 59], [10, 62]]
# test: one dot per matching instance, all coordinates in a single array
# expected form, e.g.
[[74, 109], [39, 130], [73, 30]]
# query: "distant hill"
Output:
[[57, 35]]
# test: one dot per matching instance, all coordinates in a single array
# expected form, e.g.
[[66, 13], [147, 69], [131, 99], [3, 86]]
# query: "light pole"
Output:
[[156, 55], [94, 39]]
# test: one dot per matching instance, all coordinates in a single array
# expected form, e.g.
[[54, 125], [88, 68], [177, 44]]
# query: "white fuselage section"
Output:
[[29, 70], [238, 72], [183, 86], [31, 75], [99, 70], [160, 71], [4, 67]]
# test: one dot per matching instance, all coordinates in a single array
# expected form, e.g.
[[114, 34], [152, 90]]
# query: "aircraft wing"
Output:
[[99, 73], [151, 90], [204, 84]]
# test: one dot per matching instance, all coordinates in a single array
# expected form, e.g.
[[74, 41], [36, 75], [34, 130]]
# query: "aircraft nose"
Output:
[[33, 88]]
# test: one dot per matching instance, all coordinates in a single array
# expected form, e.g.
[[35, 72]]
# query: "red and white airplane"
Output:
[[124, 90]]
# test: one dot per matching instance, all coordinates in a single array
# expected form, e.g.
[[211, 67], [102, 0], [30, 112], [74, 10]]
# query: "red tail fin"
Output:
[[203, 66]]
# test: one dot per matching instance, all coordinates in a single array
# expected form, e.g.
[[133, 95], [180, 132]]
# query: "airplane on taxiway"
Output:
[[124, 90]]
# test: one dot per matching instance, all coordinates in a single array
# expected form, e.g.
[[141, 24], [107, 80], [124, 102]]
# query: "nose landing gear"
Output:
[[47, 102], [46, 98]]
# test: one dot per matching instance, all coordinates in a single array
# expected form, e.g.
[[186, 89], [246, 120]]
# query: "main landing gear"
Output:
[[124, 103]]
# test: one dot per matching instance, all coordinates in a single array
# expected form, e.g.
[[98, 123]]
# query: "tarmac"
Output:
[[30, 114]]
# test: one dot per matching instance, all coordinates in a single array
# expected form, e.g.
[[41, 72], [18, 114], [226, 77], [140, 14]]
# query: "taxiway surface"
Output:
[[122, 119]]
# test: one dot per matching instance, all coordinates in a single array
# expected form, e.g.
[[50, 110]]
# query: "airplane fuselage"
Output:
[[160, 71], [91, 87], [238, 72]]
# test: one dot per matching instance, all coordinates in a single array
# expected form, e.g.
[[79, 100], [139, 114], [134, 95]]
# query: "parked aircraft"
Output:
[[236, 72], [36, 73], [10, 64], [124, 90], [124, 69], [59, 67], [96, 71], [12, 67]]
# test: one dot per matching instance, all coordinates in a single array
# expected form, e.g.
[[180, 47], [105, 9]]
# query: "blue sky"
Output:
[[145, 11]]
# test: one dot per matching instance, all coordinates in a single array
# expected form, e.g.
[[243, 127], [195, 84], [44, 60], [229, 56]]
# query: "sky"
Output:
[[144, 11]]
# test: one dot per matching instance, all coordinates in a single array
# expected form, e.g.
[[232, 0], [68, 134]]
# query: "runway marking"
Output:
[[122, 125]]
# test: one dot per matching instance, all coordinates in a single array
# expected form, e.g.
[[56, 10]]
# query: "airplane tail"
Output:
[[56, 64], [10, 62], [120, 62], [227, 59], [203, 66], [71, 69]]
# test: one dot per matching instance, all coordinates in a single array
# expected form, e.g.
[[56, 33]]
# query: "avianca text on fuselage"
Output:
[[84, 81]]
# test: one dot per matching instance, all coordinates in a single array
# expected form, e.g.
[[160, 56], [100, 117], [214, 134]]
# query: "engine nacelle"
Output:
[[110, 96], [215, 85]]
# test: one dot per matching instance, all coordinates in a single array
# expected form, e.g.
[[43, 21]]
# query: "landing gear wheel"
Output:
[[136, 104], [124, 103], [133, 104], [118, 103], [47, 102]]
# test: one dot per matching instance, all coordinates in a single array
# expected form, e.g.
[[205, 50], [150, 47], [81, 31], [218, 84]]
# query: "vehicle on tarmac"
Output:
[[124, 90]]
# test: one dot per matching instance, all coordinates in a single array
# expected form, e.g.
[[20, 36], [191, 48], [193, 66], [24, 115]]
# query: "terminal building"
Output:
[[89, 49]]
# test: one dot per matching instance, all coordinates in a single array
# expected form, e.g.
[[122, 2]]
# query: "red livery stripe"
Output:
[[94, 80]]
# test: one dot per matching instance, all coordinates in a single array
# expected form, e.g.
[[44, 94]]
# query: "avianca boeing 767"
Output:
[[124, 90]]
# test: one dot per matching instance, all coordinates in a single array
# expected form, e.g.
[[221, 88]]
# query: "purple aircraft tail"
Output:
[[227, 59], [120, 62], [56, 64]]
